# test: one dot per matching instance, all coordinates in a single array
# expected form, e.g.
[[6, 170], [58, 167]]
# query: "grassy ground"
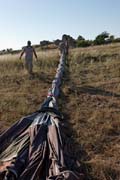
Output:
[[90, 101], [92, 93], [19, 95]]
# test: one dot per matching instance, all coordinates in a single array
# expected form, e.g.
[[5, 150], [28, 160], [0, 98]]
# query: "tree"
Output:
[[57, 41], [80, 38], [44, 43], [101, 38], [112, 37]]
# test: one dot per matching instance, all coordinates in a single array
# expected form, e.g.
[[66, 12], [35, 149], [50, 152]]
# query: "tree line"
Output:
[[103, 38]]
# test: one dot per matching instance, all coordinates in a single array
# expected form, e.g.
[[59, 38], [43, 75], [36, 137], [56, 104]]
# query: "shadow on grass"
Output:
[[75, 150], [36, 76], [92, 91], [97, 91]]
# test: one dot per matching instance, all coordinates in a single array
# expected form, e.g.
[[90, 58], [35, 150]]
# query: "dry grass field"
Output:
[[90, 102], [19, 95]]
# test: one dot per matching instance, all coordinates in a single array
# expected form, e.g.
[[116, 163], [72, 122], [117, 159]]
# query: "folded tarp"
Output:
[[35, 148]]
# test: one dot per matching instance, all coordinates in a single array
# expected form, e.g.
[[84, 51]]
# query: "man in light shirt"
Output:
[[28, 51], [63, 45]]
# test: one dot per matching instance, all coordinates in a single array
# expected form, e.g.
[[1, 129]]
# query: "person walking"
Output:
[[29, 51], [63, 45]]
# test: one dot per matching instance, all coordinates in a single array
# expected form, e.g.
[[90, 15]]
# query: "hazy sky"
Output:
[[36, 20]]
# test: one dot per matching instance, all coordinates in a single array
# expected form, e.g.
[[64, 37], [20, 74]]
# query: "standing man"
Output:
[[63, 46], [29, 51]]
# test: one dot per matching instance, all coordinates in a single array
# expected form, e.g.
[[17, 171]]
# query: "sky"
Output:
[[37, 20]]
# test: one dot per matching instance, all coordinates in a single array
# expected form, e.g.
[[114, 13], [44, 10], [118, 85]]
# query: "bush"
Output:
[[84, 43], [116, 40]]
